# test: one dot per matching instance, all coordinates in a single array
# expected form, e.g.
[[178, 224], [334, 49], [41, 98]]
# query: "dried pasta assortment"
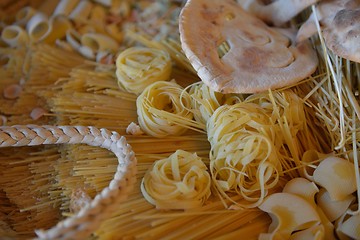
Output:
[[210, 165]]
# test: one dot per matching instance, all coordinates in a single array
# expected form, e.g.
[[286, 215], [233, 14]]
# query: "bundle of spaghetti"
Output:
[[139, 219], [138, 67], [91, 97], [48, 64], [180, 181], [296, 129], [244, 155], [31, 205], [161, 111]]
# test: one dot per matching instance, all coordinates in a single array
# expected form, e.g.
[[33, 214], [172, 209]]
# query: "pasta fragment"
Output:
[[138, 67], [15, 36], [180, 181], [161, 111], [289, 213], [337, 176]]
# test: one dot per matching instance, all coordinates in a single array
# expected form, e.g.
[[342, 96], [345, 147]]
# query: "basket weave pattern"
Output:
[[83, 223]]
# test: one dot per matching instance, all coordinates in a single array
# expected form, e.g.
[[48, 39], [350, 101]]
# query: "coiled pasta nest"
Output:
[[243, 157], [180, 181], [161, 110], [138, 67]]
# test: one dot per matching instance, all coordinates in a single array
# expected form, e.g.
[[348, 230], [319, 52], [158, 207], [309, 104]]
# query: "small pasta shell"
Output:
[[14, 36], [289, 213], [24, 15], [333, 209], [337, 176], [38, 27], [302, 188], [65, 7]]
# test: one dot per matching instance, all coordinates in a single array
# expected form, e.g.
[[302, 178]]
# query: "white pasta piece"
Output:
[[99, 42], [350, 227], [180, 181], [81, 11], [161, 111], [65, 7], [138, 67], [316, 232], [106, 3], [337, 176], [289, 213], [329, 229], [302, 188], [24, 15], [309, 157], [134, 129], [333, 209], [38, 27], [14, 36], [87, 52]]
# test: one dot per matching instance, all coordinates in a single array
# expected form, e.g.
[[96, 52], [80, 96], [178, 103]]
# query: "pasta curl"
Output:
[[180, 181], [243, 157], [205, 101], [138, 67], [161, 111]]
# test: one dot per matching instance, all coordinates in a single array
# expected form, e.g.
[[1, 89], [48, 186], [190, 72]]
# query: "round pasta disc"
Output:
[[235, 52]]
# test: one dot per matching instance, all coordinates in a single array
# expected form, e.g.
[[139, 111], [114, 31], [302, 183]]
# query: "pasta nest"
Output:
[[161, 111], [180, 181], [243, 157], [205, 101], [138, 67]]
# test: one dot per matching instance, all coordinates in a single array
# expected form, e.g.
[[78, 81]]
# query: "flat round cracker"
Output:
[[342, 32], [253, 57], [340, 25]]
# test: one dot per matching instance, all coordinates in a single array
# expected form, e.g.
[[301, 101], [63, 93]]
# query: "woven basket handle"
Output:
[[82, 224]]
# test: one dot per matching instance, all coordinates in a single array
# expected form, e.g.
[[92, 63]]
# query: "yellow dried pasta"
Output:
[[180, 181], [138, 67], [161, 111], [243, 157]]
